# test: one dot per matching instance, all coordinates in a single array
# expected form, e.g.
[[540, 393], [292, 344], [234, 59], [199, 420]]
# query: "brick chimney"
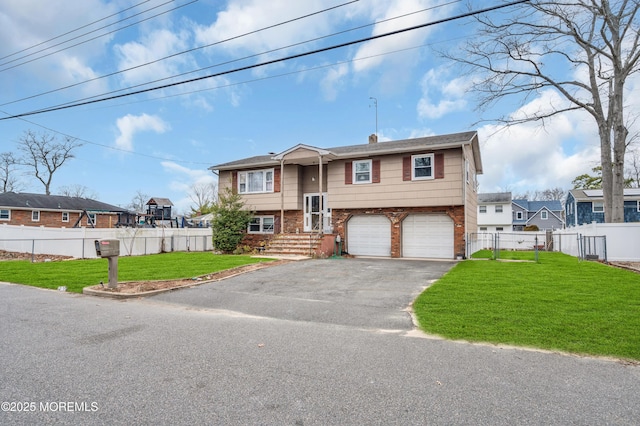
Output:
[[373, 138]]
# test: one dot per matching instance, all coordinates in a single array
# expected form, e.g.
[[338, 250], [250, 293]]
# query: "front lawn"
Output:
[[77, 274], [558, 303]]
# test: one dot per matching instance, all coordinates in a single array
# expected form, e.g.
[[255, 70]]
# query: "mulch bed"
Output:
[[135, 287], [13, 255]]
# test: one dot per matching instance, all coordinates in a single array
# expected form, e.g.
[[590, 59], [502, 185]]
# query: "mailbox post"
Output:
[[111, 250]]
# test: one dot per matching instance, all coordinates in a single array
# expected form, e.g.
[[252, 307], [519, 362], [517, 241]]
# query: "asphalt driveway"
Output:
[[367, 293]]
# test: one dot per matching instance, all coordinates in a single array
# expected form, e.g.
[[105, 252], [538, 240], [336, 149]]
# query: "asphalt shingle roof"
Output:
[[30, 201]]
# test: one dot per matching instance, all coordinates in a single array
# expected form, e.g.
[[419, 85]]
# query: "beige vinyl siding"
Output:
[[392, 191], [471, 194], [310, 182], [292, 181]]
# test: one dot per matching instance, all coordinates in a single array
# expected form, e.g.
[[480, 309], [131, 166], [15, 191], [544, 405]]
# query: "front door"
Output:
[[312, 209]]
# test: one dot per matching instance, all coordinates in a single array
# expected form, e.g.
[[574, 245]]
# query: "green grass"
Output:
[[77, 274], [558, 303], [506, 255]]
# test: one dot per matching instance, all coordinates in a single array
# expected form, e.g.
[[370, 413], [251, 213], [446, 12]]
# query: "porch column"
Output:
[[320, 186], [282, 196]]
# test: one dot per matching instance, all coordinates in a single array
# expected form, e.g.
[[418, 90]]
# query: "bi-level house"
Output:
[[407, 198]]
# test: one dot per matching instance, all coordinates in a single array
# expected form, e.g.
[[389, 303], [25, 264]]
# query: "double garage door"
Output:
[[423, 236]]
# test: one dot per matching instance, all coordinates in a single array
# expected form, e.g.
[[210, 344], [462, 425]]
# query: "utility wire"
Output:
[[174, 55], [237, 59], [93, 38], [262, 64], [73, 31]]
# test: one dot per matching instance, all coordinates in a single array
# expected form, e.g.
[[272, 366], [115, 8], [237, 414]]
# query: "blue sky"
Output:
[[162, 142]]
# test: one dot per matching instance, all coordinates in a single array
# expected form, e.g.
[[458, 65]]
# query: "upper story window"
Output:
[[422, 166], [65, 216], [597, 207], [544, 215], [637, 201], [35, 216], [518, 215], [362, 171], [499, 208], [255, 181], [91, 219], [5, 214], [482, 209]]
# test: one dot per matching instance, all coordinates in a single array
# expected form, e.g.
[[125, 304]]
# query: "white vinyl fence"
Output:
[[79, 242], [622, 240], [603, 241]]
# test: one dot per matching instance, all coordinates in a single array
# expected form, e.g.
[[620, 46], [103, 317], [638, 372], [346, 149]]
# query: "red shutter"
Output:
[[348, 173], [439, 166], [234, 182], [375, 174], [406, 168], [276, 180]]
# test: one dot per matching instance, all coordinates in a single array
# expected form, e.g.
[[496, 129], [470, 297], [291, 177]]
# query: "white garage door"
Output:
[[428, 236], [369, 235]]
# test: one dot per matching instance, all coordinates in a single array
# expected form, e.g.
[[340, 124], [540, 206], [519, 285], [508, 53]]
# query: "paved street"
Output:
[[215, 354]]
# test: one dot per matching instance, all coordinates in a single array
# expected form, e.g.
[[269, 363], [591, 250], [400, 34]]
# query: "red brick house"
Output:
[[408, 198], [59, 211]]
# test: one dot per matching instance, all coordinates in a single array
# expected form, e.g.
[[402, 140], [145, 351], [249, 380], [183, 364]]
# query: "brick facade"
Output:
[[340, 218], [53, 219], [293, 220]]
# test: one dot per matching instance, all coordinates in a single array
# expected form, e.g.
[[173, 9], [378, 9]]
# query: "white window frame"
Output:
[[35, 215], [431, 167], [499, 229], [7, 216], [245, 177], [544, 215], [356, 173], [499, 208], [638, 205], [483, 228], [65, 216], [600, 206], [519, 215], [90, 217], [262, 229], [482, 209]]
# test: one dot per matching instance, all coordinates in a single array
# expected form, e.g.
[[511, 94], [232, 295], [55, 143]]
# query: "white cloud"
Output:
[[528, 156], [333, 80], [129, 125], [183, 179], [442, 95]]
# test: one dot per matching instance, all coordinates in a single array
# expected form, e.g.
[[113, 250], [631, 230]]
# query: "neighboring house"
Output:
[[405, 198], [59, 211], [546, 215], [158, 212], [494, 212], [587, 206]]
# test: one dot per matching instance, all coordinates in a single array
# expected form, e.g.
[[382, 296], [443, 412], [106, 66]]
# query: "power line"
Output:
[[174, 55], [73, 31], [313, 52], [93, 38]]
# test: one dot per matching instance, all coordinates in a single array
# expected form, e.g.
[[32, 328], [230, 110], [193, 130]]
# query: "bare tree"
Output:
[[204, 197], [595, 43], [77, 190], [633, 173], [9, 181], [139, 202], [44, 154]]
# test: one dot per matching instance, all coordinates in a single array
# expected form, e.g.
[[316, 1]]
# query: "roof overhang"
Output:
[[304, 155]]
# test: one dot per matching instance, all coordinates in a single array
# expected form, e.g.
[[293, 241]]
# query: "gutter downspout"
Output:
[[282, 196], [322, 206]]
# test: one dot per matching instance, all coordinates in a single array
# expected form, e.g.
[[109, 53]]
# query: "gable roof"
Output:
[[535, 206], [157, 201], [597, 194], [380, 148], [28, 201], [494, 197]]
